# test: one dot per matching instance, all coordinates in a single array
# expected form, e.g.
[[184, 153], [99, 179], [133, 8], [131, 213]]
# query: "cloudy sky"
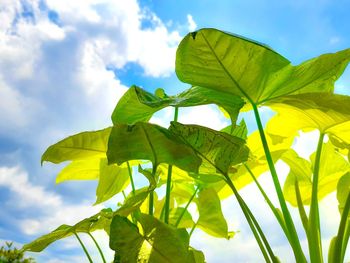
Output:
[[64, 64]]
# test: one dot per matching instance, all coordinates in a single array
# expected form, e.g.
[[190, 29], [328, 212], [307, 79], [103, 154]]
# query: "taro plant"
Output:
[[195, 164]]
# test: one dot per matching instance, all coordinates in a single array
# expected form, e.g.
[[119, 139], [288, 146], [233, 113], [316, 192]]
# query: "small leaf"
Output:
[[145, 141], [211, 220], [79, 146], [133, 201], [186, 219], [99, 221], [112, 180], [157, 242]]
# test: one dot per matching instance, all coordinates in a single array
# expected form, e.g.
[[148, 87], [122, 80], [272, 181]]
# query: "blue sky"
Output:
[[64, 64]]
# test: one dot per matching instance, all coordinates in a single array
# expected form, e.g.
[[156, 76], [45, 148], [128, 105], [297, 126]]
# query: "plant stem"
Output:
[[188, 203], [150, 203], [84, 248], [168, 182], [294, 239], [131, 178], [98, 247], [193, 228], [248, 215], [268, 201], [340, 247], [302, 213], [315, 244]]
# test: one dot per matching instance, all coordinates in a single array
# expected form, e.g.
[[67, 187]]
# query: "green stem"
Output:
[[302, 213], [248, 215], [314, 232], [84, 248], [98, 247], [131, 178], [167, 195], [192, 229], [268, 201], [294, 239], [168, 182], [188, 203], [345, 240], [150, 203], [340, 247]]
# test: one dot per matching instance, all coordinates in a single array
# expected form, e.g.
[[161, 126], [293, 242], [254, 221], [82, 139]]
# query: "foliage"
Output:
[[201, 166], [10, 254]]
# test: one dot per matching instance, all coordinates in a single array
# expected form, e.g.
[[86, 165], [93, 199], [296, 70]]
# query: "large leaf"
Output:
[[226, 62], [101, 220], [329, 113], [332, 167], [211, 220], [147, 141], [156, 243], [112, 180], [139, 105], [218, 150], [79, 146]]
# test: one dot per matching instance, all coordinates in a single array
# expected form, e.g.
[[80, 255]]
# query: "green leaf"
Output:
[[211, 220], [86, 169], [332, 167], [257, 161], [329, 113], [112, 180], [156, 243], [79, 146], [101, 220], [218, 150], [240, 131], [197, 256], [226, 62], [186, 219], [138, 105], [343, 190], [147, 141], [134, 201]]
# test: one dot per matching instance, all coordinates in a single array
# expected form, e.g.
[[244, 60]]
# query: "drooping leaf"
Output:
[[86, 169], [138, 105], [343, 189], [101, 220], [218, 150], [80, 146], [211, 220], [112, 180], [226, 62], [147, 141], [156, 243], [332, 167]]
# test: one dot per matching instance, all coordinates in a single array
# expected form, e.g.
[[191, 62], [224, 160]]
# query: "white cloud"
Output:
[[191, 24]]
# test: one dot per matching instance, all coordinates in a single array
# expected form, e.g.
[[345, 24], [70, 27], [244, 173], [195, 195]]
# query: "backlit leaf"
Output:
[[79, 146], [101, 220], [211, 220], [145, 141], [112, 180], [86, 169], [343, 189], [332, 167], [226, 62]]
